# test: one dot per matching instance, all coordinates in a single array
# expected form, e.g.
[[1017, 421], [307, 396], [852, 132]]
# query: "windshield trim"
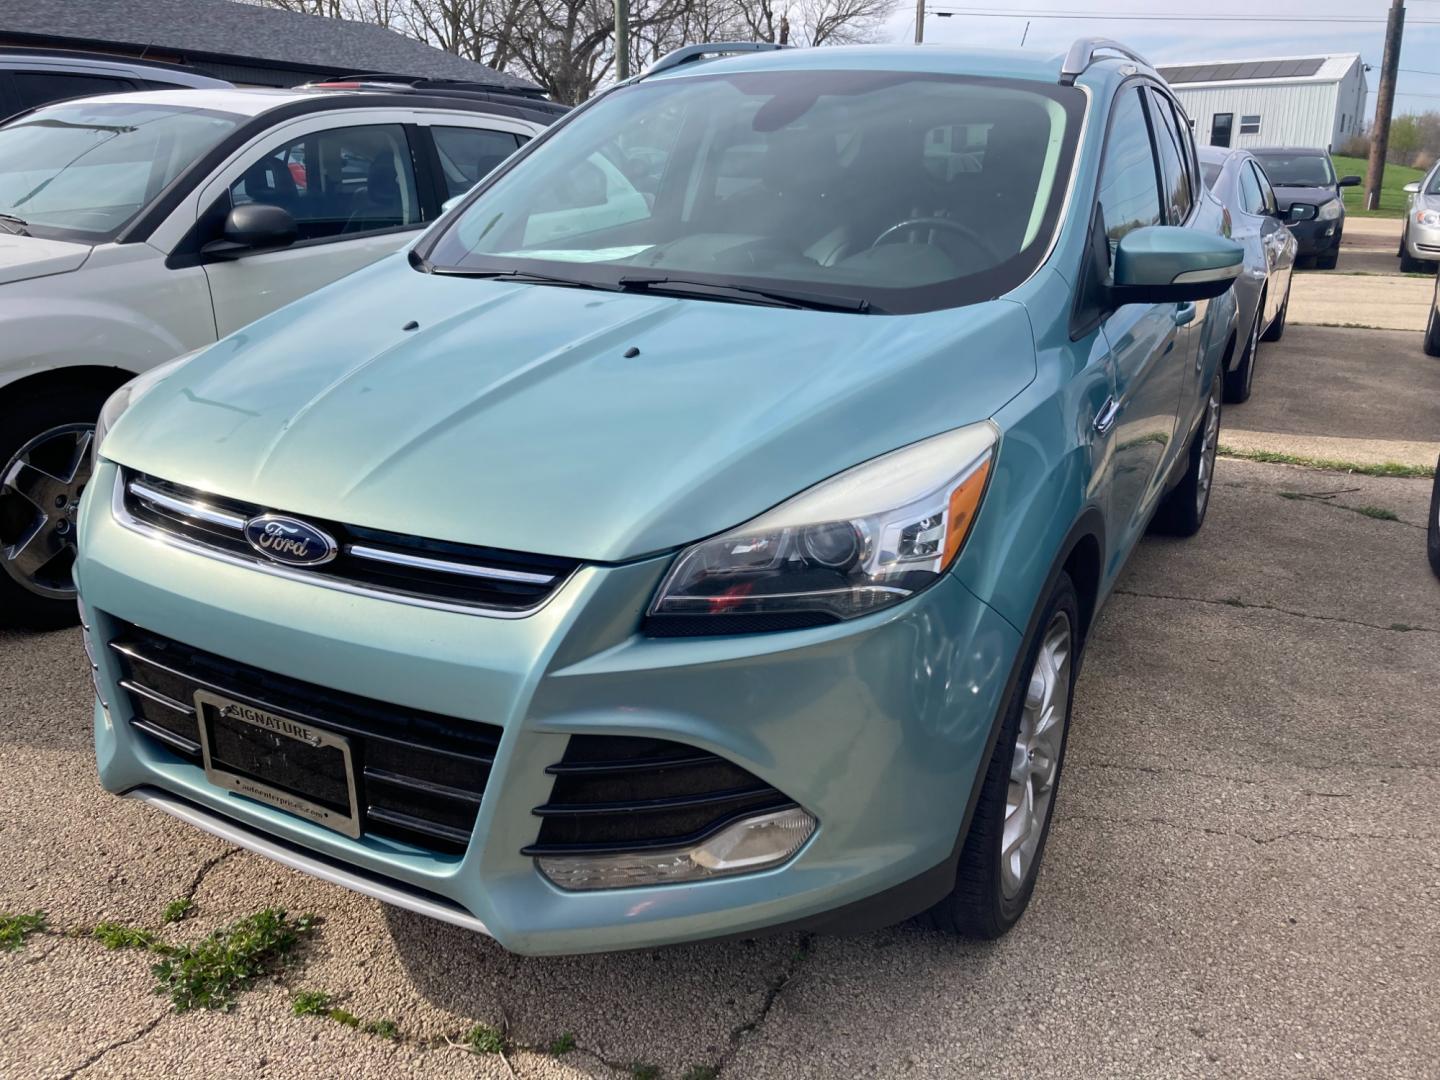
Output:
[[90, 238], [881, 301]]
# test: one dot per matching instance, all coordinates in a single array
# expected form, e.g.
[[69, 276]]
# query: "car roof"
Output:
[[1218, 155], [1289, 150], [45, 60], [253, 102], [932, 59]]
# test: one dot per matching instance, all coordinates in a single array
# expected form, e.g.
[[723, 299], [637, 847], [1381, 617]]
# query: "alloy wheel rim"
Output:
[[1035, 762], [40, 489], [1209, 443]]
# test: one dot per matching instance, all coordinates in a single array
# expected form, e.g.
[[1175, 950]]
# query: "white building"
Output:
[[1291, 101]]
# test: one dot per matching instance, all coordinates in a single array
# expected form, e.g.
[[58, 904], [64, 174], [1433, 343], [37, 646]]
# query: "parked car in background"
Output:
[[1307, 177], [1420, 239], [620, 567], [1262, 291], [1432, 530], [135, 227], [30, 78]]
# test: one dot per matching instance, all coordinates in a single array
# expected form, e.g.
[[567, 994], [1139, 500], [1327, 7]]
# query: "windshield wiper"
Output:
[[747, 294], [18, 226], [526, 277]]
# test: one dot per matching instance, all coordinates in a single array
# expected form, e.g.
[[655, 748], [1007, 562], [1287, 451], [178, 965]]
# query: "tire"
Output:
[[1432, 328], [989, 898], [1432, 532], [1238, 383], [1330, 259], [1276, 330], [1183, 510], [1407, 264], [47, 430]]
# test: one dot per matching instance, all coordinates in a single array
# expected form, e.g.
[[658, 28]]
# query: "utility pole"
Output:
[[622, 40], [919, 21], [1384, 105]]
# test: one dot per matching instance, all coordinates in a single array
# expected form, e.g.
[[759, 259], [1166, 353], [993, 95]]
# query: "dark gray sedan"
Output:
[[1262, 291]]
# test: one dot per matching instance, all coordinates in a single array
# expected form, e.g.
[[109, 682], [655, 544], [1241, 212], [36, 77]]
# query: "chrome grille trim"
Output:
[[122, 514], [156, 696], [199, 511], [444, 566]]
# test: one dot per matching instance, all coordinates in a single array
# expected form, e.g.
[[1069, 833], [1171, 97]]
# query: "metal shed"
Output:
[[1285, 101]]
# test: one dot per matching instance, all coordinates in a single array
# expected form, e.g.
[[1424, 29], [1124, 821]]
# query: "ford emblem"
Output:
[[290, 541]]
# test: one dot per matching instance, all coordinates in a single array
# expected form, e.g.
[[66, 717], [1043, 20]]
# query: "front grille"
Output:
[[419, 776], [391, 565], [617, 793]]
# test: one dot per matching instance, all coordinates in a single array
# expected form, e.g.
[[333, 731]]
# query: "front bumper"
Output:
[[878, 727], [1317, 237], [1423, 241]]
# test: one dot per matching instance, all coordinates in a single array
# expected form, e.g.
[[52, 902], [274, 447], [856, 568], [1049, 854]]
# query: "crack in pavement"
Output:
[[1259, 841], [205, 868], [95, 1057], [1393, 628], [777, 987]]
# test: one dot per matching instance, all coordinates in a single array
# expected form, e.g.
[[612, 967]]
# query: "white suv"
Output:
[[137, 227]]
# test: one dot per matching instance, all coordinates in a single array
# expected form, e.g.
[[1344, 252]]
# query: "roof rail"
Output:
[[690, 53], [1082, 55]]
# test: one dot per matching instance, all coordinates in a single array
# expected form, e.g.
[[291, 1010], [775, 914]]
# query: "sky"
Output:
[[1220, 36]]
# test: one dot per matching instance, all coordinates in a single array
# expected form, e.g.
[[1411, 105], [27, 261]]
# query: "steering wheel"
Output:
[[941, 223]]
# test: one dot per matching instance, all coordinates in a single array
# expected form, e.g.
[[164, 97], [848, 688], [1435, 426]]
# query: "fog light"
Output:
[[752, 844]]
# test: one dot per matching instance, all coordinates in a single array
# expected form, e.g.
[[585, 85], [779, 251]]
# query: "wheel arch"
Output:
[[71, 377]]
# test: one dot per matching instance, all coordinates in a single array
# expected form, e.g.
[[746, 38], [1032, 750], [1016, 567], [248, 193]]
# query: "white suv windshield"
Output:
[[887, 191], [82, 170]]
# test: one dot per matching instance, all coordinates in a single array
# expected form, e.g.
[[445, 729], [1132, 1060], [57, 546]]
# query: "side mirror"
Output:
[[1304, 211], [1165, 264], [1412, 188], [253, 227], [1349, 181]]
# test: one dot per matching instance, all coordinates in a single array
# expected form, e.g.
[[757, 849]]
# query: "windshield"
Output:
[[904, 192], [82, 170], [1433, 187], [1298, 170]]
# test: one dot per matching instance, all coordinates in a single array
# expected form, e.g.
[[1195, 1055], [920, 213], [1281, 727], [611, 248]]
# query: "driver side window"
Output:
[[1129, 194], [339, 183]]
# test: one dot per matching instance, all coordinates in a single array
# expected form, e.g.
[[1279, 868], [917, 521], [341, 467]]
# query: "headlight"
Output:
[[1428, 217], [1330, 210], [129, 394], [863, 540]]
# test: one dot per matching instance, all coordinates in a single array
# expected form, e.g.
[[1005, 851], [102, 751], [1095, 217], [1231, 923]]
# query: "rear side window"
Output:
[[1267, 193], [35, 88], [1251, 199], [1129, 198], [1174, 169], [338, 183], [467, 154]]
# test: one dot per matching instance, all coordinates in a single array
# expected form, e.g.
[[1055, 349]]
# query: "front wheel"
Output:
[[1432, 533], [1239, 382], [1276, 330], [1001, 857], [1408, 264], [1432, 329], [44, 466], [1183, 510]]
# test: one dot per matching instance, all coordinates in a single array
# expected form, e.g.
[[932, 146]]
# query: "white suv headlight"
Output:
[[860, 541]]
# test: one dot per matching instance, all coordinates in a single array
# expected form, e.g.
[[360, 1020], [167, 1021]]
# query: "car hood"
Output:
[[595, 425], [1316, 196], [23, 257]]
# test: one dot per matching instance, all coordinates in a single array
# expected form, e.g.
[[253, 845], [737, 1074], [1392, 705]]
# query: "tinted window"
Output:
[[84, 169], [36, 88], [1251, 201], [1129, 198], [337, 183], [467, 154], [1211, 172], [1172, 159], [1267, 193], [909, 191], [1298, 170]]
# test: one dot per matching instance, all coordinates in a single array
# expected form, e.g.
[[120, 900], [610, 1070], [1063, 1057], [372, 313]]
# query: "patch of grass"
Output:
[[1389, 468], [562, 1044], [385, 1029], [643, 1070], [115, 935], [176, 910], [211, 973], [484, 1039], [310, 1003], [1379, 513], [14, 929], [319, 1003], [343, 1016], [701, 1072], [1392, 197]]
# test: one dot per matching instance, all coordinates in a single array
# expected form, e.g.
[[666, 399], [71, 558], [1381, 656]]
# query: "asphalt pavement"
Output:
[[1243, 878]]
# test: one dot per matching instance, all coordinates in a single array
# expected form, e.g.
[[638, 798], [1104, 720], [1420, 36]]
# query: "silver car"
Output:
[[1420, 242], [1262, 291]]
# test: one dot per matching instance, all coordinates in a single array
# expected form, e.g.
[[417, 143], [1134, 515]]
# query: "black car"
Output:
[[1307, 177], [30, 78]]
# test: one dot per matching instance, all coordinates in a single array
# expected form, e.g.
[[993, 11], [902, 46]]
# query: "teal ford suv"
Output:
[[699, 528]]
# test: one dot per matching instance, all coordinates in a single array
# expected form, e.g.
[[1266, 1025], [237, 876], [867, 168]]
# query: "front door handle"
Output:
[[1105, 418], [1184, 314]]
